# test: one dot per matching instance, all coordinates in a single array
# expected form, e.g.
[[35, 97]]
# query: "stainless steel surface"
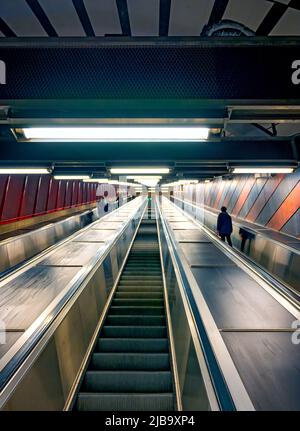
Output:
[[73, 254], [256, 324], [277, 253], [269, 366], [94, 235], [114, 225], [236, 301], [71, 329], [23, 299], [204, 254], [16, 250], [192, 235]]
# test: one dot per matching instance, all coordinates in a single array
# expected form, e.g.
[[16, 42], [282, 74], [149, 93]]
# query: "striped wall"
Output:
[[23, 196], [272, 202]]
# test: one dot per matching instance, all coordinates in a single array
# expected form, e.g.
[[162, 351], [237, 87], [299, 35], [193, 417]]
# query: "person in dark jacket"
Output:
[[224, 226]]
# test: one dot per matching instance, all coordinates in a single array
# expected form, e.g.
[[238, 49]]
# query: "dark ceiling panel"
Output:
[[217, 11], [6, 30], [164, 17], [271, 19], [210, 152], [84, 18], [124, 17], [42, 17]]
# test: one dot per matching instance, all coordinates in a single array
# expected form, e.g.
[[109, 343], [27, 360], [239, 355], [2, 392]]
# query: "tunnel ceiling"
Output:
[[78, 18], [247, 132]]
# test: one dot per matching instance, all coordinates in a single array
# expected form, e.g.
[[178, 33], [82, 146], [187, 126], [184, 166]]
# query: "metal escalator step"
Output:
[[140, 283], [127, 381], [125, 402], [141, 277], [136, 310], [146, 289], [135, 320], [138, 295], [143, 265], [122, 302], [130, 361], [134, 331], [141, 271], [132, 345]]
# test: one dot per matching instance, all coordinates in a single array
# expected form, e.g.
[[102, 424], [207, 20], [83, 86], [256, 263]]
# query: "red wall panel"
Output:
[[26, 196], [52, 195], [29, 195], [13, 197], [42, 194], [60, 204], [68, 195]]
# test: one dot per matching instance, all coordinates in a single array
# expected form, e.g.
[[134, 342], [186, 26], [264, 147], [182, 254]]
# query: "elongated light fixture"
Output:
[[71, 177], [139, 171], [116, 134], [271, 170], [26, 171], [96, 180]]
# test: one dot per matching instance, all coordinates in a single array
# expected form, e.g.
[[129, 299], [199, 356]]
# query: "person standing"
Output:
[[224, 226]]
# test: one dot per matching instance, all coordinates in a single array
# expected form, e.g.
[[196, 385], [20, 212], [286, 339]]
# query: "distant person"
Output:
[[224, 226], [105, 201]]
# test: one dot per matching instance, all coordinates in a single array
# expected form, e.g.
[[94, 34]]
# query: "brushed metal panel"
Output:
[[193, 235], [177, 219], [4, 258], [237, 301], [9, 340], [114, 263], [88, 311], [73, 253], [94, 235], [204, 254], [71, 345], [109, 281], [182, 225], [23, 299], [110, 225], [268, 364], [41, 387], [98, 283]]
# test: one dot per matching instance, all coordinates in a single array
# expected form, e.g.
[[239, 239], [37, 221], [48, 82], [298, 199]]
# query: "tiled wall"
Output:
[[273, 202], [24, 196]]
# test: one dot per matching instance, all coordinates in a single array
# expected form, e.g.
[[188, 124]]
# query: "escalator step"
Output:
[[134, 331], [133, 345], [136, 310], [141, 277], [142, 284], [135, 320], [127, 381], [138, 295], [125, 402], [146, 289], [141, 271], [139, 302], [130, 361]]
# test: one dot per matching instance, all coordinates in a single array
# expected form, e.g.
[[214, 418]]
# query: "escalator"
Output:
[[130, 367]]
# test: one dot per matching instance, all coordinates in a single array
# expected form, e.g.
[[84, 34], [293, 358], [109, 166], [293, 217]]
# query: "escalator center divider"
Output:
[[130, 368]]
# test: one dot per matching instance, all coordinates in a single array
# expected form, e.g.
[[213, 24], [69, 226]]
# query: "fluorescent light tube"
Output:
[[34, 171], [124, 171], [71, 177], [96, 180], [116, 134], [273, 170]]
